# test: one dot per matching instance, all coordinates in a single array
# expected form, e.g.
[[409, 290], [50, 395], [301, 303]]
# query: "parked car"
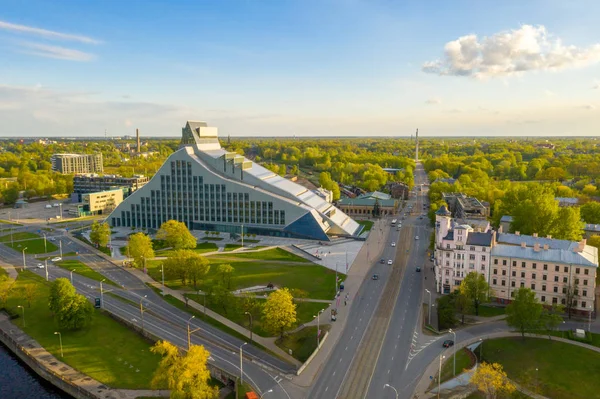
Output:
[[418, 268], [57, 259], [448, 343], [56, 205], [382, 261], [416, 237], [48, 206]]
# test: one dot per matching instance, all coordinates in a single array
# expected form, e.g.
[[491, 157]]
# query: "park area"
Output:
[[564, 371], [84, 270], [31, 242], [105, 351]]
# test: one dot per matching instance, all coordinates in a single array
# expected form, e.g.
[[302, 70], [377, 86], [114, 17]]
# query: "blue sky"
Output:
[[278, 68]]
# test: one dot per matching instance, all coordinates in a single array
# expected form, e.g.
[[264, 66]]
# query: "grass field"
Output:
[[231, 247], [304, 313], [367, 223], [490, 311], [201, 248], [9, 223], [84, 270], [302, 343], [465, 360], [271, 254], [515, 395], [18, 236], [316, 280], [103, 351], [564, 370], [33, 242]]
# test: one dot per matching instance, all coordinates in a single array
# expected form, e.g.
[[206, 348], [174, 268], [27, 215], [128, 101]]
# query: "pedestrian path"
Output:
[[10, 270]]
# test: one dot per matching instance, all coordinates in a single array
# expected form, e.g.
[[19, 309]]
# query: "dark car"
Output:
[[448, 343], [418, 268], [382, 261], [375, 277]]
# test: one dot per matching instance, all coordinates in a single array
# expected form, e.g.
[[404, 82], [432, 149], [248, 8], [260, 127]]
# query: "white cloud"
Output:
[[48, 34], [433, 101], [509, 53], [549, 93], [57, 52]]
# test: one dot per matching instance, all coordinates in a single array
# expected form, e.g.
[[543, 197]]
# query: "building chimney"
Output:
[[545, 247], [536, 247], [523, 244], [137, 135], [535, 234], [500, 230], [517, 233]]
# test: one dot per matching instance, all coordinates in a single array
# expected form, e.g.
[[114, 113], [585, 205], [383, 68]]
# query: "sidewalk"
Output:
[[268, 343], [357, 273], [61, 371]]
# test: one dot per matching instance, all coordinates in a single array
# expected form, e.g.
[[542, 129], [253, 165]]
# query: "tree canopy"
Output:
[[279, 312], [140, 249], [100, 234], [475, 288], [492, 381], [176, 235], [72, 310], [524, 312]]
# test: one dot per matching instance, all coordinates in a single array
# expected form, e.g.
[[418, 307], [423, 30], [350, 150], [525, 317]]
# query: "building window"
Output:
[[472, 248], [584, 293], [503, 283], [583, 304], [554, 300], [576, 281], [556, 289], [504, 272], [534, 265], [556, 268], [495, 271], [495, 261], [514, 263], [543, 298], [586, 271], [533, 276], [556, 279], [447, 246], [533, 286], [577, 270], [544, 287], [514, 273], [566, 269], [544, 277], [503, 262], [494, 281], [522, 264], [564, 290], [565, 280], [512, 283], [545, 267], [584, 282], [472, 257], [522, 284], [522, 274], [483, 258]]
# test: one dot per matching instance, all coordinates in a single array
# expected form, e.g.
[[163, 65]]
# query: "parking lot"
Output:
[[37, 211]]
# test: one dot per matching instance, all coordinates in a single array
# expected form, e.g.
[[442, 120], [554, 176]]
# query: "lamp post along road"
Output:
[[242, 236], [454, 354], [250, 316], [429, 312], [24, 264], [241, 363], [45, 244], [142, 312], [440, 376], [71, 272], [60, 342], [190, 332], [60, 246], [162, 270], [102, 295], [23, 309], [46, 268], [590, 319], [389, 386], [319, 328]]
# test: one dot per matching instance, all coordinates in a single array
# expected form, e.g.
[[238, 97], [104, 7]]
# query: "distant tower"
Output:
[[417, 146], [137, 135], [228, 139]]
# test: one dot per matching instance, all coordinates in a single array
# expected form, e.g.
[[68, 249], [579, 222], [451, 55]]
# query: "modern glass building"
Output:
[[209, 188]]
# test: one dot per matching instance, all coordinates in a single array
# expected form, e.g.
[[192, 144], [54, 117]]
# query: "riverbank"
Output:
[[59, 374]]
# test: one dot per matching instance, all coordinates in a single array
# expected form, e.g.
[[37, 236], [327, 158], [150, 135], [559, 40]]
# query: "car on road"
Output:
[[393, 244], [389, 262], [48, 206], [418, 268], [51, 239], [448, 343], [40, 265], [416, 237], [57, 259], [375, 277], [56, 205], [420, 217], [382, 261]]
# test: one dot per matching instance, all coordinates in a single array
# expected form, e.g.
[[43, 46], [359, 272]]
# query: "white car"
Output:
[[416, 237], [57, 259], [40, 266], [48, 206], [51, 239], [393, 244], [56, 205], [389, 262]]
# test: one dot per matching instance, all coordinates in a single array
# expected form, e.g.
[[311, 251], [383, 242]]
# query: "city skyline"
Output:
[[308, 68]]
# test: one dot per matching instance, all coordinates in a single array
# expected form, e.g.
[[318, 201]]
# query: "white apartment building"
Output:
[[550, 267]]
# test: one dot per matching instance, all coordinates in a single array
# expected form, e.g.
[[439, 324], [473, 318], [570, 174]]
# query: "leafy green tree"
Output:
[[140, 249], [590, 212], [221, 296], [176, 235], [186, 376], [524, 312], [176, 265], [279, 312], [226, 272], [77, 314], [446, 312], [60, 291], [594, 241], [100, 234], [568, 224], [551, 318], [198, 267], [475, 289]]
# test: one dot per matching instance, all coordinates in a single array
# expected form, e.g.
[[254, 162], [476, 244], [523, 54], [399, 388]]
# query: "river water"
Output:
[[17, 381]]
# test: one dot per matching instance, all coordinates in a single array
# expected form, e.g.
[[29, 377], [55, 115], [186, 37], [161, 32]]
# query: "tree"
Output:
[[462, 304], [524, 312], [198, 267], [590, 212], [594, 241], [492, 381], [187, 377], [475, 288], [225, 271], [446, 312], [221, 296], [176, 265], [29, 293], [140, 249], [100, 234], [72, 310], [279, 312], [568, 224], [176, 235], [551, 318], [60, 292], [570, 298]]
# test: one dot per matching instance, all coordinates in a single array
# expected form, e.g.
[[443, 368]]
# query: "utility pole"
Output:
[[46, 268]]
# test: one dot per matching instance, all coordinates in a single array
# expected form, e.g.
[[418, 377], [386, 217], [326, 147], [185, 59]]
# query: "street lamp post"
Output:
[[24, 264], [45, 244], [71, 272], [480, 350], [46, 268], [269, 391], [190, 332], [440, 376], [60, 246], [60, 342], [454, 354], [590, 319], [389, 386], [162, 270], [23, 309], [242, 236], [318, 328], [102, 294], [242, 364], [142, 312], [250, 316], [429, 312]]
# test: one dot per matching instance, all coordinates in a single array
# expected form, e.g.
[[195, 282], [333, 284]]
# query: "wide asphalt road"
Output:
[[162, 319]]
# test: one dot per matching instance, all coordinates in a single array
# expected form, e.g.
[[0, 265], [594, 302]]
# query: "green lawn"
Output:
[[201, 248], [316, 280], [231, 247], [104, 351], [367, 223], [3, 273], [18, 236], [304, 313], [490, 311], [465, 360], [101, 249], [212, 238], [33, 242], [564, 370], [271, 254], [302, 343], [249, 241], [84, 270], [514, 395]]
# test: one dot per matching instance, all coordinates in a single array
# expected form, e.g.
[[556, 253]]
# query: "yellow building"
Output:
[[102, 201]]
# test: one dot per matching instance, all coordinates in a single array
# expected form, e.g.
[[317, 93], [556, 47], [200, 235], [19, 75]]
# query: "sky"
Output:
[[304, 68]]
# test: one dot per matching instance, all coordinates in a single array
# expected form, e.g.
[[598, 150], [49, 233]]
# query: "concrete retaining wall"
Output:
[[307, 362]]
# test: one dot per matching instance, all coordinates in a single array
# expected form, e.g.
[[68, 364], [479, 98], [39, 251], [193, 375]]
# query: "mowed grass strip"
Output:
[[23, 235], [465, 360], [104, 351], [565, 371], [33, 242], [201, 248], [367, 223], [271, 254], [302, 343], [316, 280], [84, 270]]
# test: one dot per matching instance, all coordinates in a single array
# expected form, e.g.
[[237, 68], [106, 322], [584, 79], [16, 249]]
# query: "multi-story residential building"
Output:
[[209, 188], [555, 270], [77, 163], [102, 202], [463, 207], [92, 183]]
